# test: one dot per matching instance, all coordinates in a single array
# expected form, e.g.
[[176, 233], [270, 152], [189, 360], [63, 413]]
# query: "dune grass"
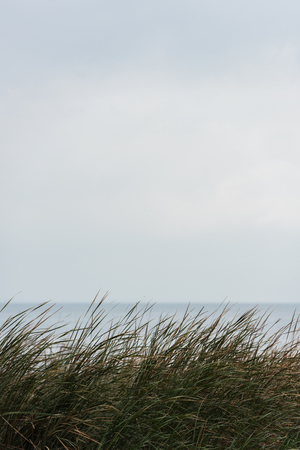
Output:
[[197, 383]]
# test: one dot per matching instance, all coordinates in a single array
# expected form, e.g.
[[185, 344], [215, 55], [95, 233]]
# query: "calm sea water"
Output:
[[70, 313]]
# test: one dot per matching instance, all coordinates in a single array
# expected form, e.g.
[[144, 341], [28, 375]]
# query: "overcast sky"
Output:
[[150, 149]]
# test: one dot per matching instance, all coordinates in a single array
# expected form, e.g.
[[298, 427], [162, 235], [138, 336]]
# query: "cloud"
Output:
[[137, 136], [44, 40], [148, 153]]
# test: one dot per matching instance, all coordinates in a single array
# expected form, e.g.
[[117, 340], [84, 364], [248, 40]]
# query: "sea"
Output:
[[66, 315]]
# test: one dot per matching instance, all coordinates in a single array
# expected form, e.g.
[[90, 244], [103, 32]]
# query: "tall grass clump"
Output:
[[196, 383]]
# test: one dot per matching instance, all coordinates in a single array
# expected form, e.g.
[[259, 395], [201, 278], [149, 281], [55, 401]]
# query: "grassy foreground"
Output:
[[195, 384]]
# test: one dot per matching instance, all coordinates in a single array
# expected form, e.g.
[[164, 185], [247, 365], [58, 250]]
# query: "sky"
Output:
[[150, 149]]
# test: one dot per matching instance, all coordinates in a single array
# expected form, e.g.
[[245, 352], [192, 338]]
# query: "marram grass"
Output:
[[198, 383]]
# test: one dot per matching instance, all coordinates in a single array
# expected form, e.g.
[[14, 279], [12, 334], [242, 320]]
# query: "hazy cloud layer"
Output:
[[151, 149]]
